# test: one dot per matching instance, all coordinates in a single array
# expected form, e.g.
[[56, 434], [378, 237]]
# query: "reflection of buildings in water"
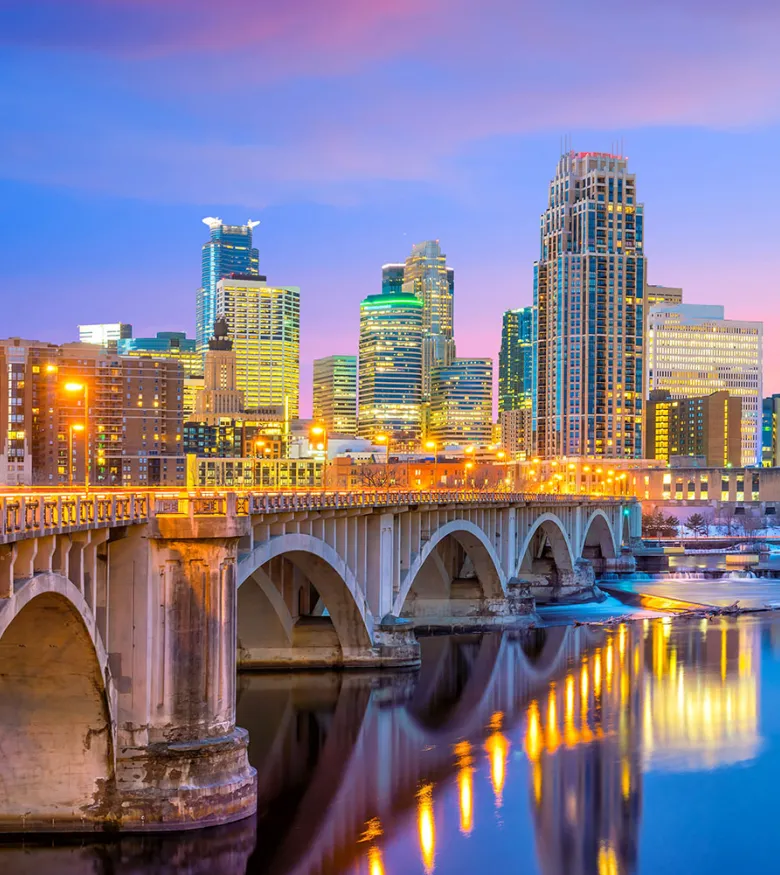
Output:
[[581, 740], [701, 694], [656, 695]]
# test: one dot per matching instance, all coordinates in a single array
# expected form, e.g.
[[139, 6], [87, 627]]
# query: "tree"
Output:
[[671, 527], [697, 525], [653, 523]]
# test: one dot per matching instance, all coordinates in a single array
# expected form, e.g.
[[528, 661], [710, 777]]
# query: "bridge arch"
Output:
[[270, 615], [427, 575], [57, 733], [599, 540], [546, 548]]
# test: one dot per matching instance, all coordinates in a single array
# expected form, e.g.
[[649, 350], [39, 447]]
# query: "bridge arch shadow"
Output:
[[56, 730], [298, 602], [457, 564], [599, 542], [547, 551]]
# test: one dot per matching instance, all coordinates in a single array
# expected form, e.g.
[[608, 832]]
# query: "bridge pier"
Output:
[[181, 762]]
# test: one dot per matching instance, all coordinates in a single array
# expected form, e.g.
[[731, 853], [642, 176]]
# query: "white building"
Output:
[[693, 350], [105, 333]]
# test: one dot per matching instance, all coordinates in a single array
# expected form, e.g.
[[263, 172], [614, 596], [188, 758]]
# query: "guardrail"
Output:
[[25, 515], [35, 514]]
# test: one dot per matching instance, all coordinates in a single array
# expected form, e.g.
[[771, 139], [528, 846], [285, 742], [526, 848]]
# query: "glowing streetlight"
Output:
[[385, 439], [431, 445], [84, 389]]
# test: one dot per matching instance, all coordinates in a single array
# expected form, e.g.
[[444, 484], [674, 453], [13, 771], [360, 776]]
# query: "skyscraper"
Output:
[[515, 360], [694, 350], [335, 393], [264, 324], [461, 410], [589, 293], [229, 250], [219, 397], [173, 345], [390, 366], [770, 412], [392, 279], [427, 276]]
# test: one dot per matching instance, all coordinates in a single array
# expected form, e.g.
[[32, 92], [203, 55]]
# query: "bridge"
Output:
[[123, 617]]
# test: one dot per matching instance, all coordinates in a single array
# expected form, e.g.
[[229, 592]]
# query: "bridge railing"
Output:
[[24, 515]]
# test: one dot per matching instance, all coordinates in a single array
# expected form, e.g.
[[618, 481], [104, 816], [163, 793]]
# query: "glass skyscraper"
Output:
[[264, 324], [589, 309], [174, 345], [390, 367], [515, 360], [229, 250], [461, 410], [392, 279], [427, 276]]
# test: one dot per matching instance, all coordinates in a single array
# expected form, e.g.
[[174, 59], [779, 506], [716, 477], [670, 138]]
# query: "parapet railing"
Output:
[[36, 514], [25, 515]]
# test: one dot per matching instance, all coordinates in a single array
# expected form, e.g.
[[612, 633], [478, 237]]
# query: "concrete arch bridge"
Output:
[[122, 615]]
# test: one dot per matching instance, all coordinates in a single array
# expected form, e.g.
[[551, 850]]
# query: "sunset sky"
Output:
[[354, 128]]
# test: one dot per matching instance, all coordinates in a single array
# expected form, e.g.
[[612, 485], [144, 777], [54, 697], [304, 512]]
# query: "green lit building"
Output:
[[172, 345], [515, 360], [390, 367]]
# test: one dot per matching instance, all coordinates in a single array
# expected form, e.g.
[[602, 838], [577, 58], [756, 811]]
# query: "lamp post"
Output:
[[431, 445], [76, 426], [320, 434], [385, 439], [468, 466], [84, 389]]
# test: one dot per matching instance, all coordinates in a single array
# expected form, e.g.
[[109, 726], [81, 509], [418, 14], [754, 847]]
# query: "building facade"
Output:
[[589, 305], [663, 295], [219, 396], [709, 427], [335, 393], [515, 360], [228, 250], [427, 276], [172, 345], [390, 367], [130, 434], [264, 324], [105, 334], [770, 411], [461, 406], [392, 279], [694, 350]]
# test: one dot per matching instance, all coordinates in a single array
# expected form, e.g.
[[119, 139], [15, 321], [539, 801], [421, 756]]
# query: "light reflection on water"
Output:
[[558, 751]]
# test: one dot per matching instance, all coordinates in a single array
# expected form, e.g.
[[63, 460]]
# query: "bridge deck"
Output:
[[33, 513]]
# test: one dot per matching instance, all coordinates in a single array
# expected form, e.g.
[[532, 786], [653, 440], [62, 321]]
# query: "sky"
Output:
[[352, 129]]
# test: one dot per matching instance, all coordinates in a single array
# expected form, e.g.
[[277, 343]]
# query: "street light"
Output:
[[385, 439], [468, 466], [320, 432], [76, 426], [431, 445], [84, 388]]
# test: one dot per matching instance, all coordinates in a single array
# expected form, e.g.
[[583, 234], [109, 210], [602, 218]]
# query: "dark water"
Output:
[[653, 746]]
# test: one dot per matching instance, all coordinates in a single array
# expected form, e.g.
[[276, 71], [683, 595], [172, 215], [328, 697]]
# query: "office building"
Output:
[[171, 345], [229, 250], [461, 406], [694, 350], [427, 276], [663, 295], [105, 334], [770, 411], [335, 393], [709, 426], [515, 360], [392, 279], [219, 396], [132, 435], [263, 323], [589, 292], [390, 367], [516, 433]]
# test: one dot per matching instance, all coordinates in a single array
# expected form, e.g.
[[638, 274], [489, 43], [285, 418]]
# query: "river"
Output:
[[645, 746]]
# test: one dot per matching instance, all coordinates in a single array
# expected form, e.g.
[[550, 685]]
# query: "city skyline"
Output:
[[339, 193]]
